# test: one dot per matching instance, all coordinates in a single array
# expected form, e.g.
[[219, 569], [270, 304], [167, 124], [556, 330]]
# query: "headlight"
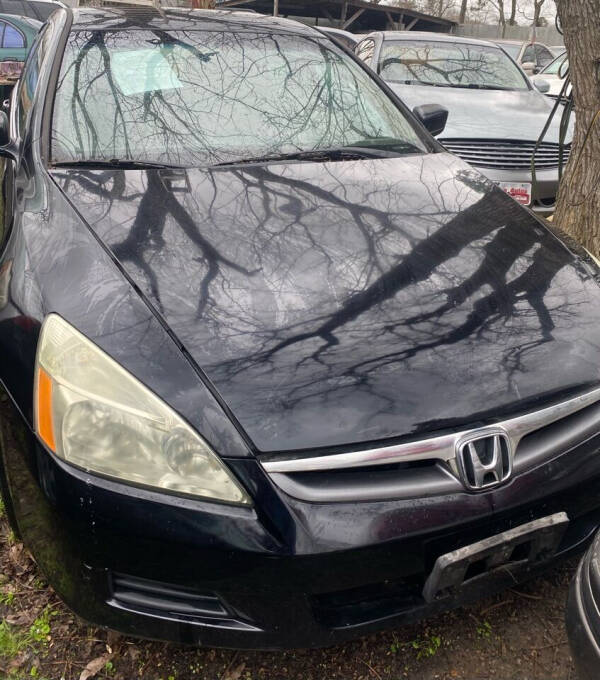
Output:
[[92, 413]]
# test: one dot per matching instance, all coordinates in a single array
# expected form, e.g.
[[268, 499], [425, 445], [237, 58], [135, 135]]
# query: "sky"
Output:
[[524, 15]]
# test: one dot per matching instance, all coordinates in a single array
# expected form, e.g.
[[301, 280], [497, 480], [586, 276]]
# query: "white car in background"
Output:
[[495, 113], [554, 74], [532, 57]]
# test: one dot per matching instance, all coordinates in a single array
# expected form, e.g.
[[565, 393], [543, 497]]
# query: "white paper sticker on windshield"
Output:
[[137, 71]]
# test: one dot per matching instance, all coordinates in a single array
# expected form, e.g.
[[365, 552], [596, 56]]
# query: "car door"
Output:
[[13, 51]]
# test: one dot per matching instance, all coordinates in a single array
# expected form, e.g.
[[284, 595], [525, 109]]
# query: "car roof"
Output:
[[36, 9], [175, 18], [430, 35], [504, 41], [32, 23]]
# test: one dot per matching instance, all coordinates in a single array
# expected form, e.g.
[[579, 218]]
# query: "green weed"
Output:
[[484, 630], [426, 646], [40, 628], [12, 641], [7, 597]]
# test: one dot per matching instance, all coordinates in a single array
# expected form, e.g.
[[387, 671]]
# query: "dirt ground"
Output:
[[518, 634]]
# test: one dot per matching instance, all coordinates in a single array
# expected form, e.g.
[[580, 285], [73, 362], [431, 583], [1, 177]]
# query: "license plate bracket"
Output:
[[516, 549], [520, 191]]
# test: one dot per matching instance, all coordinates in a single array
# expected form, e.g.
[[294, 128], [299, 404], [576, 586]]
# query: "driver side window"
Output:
[[529, 55], [544, 57]]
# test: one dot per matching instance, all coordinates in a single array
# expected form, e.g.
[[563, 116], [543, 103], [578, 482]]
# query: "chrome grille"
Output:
[[428, 467], [506, 154]]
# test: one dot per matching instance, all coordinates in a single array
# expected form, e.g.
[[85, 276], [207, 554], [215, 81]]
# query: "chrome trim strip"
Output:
[[437, 448]]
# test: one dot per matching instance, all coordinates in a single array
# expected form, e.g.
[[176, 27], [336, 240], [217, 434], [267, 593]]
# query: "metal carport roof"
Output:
[[357, 16]]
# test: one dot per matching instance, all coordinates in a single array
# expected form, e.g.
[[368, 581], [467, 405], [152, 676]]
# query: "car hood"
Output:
[[336, 303], [487, 114]]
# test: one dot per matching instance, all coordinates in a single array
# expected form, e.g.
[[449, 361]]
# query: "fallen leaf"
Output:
[[24, 618], [94, 666], [234, 673]]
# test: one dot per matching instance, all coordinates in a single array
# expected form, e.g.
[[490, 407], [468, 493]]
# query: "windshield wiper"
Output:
[[362, 149], [466, 86], [421, 82], [481, 86], [310, 155], [118, 163], [387, 144]]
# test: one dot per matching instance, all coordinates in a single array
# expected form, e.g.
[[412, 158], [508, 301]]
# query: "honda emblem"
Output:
[[484, 459]]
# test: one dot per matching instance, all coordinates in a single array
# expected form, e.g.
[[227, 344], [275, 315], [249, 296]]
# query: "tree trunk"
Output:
[[513, 13], [578, 209], [502, 16], [537, 11], [463, 12]]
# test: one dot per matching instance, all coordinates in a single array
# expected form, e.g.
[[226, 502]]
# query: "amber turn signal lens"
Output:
[[45, 426]]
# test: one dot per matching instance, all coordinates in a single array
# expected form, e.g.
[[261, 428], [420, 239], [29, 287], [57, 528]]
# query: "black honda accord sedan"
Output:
[[276, 369]]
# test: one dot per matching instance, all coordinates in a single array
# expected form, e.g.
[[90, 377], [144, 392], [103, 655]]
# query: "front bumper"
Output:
[[284, 574], [544, 191]]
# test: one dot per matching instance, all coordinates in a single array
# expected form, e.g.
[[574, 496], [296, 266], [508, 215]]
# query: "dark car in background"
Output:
[[276, 368], [17, 35], [495, 115]]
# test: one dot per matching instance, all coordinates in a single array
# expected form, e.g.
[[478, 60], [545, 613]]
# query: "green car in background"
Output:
[[17, 35]]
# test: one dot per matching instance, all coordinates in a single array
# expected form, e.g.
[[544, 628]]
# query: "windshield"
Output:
[[449, 64], [201, 98], [556, 67], [512, 49]]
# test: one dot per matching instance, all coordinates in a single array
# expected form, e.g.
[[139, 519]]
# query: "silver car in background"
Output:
[[532, 57], [495, 116]]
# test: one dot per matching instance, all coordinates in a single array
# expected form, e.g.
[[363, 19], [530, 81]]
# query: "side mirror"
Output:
[[541, 85], [433, 116], [528, 67]]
